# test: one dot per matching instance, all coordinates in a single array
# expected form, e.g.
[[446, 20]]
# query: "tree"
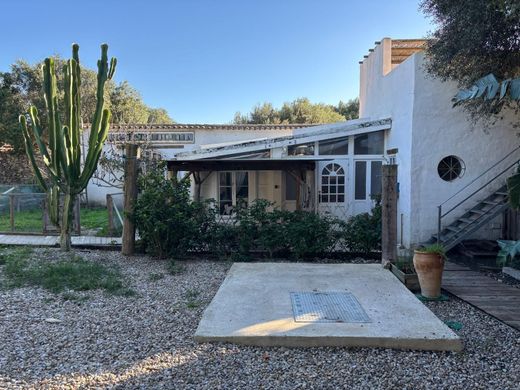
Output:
[[69, 174], [303, 111], [10, 105], [473, 39], [22, 85], [299, 111], [159, 115], [127, 105], [349, 110]]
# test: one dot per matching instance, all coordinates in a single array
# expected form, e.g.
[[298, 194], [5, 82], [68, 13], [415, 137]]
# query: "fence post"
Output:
[[389, 214], [110, 210], [11, 211], [130, 196]]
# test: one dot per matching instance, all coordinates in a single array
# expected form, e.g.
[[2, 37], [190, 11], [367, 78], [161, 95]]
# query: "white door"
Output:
[[367, 184], [332, 188]]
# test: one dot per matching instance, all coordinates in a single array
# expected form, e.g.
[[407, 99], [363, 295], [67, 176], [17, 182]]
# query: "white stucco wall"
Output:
[[390, 93], [439, 130], [426, 128], [97, 194]]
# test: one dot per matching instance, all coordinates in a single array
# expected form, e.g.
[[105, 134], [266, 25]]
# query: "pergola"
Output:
[[296, 168]]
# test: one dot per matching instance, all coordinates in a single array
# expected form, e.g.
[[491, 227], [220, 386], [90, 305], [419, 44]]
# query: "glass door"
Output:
[[332, 187], [367, 184]]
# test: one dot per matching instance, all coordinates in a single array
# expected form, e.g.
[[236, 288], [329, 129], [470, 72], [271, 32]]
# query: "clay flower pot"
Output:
[[429, 267]]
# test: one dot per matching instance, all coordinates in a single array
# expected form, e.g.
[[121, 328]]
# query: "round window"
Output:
[[451, 168]]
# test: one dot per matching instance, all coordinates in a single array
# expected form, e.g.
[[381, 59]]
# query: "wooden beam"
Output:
[[389, 214], [130, 196], [241, 165]]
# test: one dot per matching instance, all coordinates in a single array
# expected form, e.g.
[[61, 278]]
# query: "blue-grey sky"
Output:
[[203, 60]]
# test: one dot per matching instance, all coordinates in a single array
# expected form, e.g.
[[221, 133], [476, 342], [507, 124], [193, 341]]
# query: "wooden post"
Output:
[[298, 191], [11, 211], [389, 214], [198, 182], [130, 196], [110, 210]]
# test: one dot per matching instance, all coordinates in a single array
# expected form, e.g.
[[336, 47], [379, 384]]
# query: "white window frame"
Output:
[[234, 189]]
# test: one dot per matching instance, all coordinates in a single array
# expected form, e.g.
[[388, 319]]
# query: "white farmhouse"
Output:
[[447, 166]]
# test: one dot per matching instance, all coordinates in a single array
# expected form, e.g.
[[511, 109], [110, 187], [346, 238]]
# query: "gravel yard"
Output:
[[145, 341]]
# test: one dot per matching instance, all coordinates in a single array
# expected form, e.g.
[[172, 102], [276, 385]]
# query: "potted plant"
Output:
[[403, 269], [429, 264]]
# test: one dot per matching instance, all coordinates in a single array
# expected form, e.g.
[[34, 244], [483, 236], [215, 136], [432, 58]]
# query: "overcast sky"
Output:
[[204, 60]]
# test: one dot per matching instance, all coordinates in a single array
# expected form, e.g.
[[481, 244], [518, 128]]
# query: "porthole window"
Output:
[[451, 168]]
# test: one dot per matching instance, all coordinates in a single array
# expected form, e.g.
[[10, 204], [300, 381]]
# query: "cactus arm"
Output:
[[97, 149], [37, 131], [76, 133], [101, 119], [112, 69], [51, 103], [29, 149]]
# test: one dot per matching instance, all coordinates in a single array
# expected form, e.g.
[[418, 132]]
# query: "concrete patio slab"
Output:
[[253, 306]]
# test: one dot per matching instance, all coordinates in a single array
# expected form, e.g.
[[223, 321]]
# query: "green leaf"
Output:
[[508, 251], [488, 87]]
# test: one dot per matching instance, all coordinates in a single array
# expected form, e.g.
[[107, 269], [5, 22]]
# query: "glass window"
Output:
[[370, 143], [332, 184], [290, 187], [242, 188], [233, 191], [301, 150], [360, 190], [376, 171], [225, 193], [337, 146]]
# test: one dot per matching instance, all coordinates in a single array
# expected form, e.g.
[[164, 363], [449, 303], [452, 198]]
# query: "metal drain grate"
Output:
[[327, 307]]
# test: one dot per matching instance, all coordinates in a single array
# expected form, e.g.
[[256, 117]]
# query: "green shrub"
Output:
[[362, 232], [171, 224], [261, 226], [167, 220], [310, 233]]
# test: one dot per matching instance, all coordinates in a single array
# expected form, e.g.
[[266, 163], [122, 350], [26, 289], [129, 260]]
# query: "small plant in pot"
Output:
[[403, 269], [428, 262]]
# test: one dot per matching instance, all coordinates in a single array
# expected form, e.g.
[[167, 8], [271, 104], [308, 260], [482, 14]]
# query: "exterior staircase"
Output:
[[481, 206], [473, 219]]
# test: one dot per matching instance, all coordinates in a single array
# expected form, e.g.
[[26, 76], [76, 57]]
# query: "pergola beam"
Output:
[[240, 165]]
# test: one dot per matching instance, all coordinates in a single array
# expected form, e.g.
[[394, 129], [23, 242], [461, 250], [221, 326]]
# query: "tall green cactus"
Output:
[[62, 156]]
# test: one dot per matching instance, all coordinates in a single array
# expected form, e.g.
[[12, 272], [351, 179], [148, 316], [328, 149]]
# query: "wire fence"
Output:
[[115, 214], [23, 210]]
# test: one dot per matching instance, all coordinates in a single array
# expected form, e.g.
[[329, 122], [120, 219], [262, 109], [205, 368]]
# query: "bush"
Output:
[[310, 234], [165, 217], [171, 224], [263, 227], [362, 232]]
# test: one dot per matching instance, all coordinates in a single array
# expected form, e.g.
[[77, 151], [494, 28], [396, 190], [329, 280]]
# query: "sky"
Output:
[[204, 60]]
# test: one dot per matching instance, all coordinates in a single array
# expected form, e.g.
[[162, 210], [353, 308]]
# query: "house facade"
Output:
[[443, 157], [451, 171], [165, 141]]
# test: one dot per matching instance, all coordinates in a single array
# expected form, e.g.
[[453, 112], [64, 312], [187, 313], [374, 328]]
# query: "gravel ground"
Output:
[[146, 342]]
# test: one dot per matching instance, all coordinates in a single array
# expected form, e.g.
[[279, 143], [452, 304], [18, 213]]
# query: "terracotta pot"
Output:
[[429, 267]]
